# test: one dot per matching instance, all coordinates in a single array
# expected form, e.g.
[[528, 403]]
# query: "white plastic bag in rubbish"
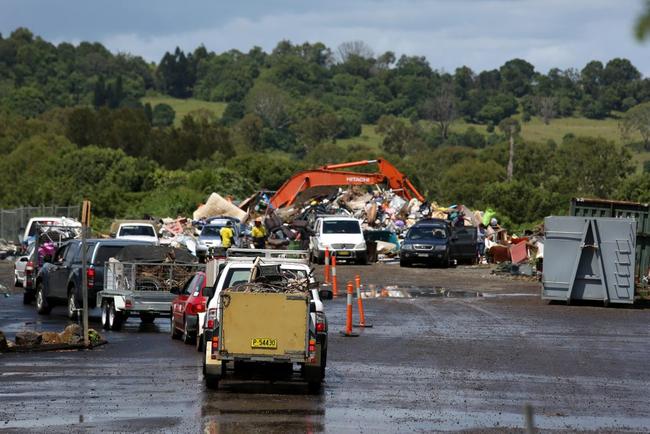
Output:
[[397, 203]]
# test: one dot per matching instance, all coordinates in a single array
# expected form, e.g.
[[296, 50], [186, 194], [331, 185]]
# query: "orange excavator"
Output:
[[330, 176]]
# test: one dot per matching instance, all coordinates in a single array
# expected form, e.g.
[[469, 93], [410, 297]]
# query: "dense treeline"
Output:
[[80, 107]]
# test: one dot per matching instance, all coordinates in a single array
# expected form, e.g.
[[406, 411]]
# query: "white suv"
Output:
[[342, 235]]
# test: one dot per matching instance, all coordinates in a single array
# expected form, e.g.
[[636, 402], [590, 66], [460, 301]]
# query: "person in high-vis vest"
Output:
[[259, 234], [227, 235]]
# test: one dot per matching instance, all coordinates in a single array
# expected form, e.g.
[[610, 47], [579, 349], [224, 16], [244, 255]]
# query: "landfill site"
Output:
[[344, 301]]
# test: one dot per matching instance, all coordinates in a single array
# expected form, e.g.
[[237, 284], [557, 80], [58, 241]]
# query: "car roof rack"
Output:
[[267, 255]]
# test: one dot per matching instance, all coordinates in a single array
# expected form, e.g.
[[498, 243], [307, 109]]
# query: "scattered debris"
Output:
[[70, 338]]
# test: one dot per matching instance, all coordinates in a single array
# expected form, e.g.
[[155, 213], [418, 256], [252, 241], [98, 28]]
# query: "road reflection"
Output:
[[244, 407]]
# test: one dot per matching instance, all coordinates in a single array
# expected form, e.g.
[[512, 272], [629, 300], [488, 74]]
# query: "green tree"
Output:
[[399, 136], [637, 120], [82, 127], [250, 129], [635, 188], [264, 171], [26, 101], [163, 115], [516, 76], [465, 181], [588, 166]]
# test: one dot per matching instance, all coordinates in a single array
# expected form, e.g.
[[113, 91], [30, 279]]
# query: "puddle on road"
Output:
[[375, 291]]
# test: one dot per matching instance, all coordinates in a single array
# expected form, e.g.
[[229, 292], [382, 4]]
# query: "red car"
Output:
[[185, 308]]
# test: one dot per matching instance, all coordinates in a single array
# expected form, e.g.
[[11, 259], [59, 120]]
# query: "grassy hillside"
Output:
[[534, 130], [183, 106]]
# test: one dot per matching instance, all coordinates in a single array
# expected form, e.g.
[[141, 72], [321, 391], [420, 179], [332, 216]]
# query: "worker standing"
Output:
[[227, 234], [259, 234]]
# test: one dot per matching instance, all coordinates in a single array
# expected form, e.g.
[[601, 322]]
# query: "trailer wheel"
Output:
[[211, 381], [115, 318], [72, 304], [105, 324]]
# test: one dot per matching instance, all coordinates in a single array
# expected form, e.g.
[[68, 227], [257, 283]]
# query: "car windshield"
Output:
[[136, 230], [341, 227], [211, 231], [427, 232]]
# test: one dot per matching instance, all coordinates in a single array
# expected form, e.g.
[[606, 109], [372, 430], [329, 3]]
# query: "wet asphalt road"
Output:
[[428, 364]]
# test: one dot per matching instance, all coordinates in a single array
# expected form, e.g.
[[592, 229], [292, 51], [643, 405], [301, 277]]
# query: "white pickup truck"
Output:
[[135, 230], [237, 269]]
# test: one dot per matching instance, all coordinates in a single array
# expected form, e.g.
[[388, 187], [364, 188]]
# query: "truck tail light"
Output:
[[312, 351], [128, 303], [212, 316], [90, 277], [29, 274], [321, 326], [215, 347], [199, 308]]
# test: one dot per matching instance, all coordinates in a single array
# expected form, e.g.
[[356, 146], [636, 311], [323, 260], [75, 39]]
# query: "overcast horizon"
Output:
[[481, 34]]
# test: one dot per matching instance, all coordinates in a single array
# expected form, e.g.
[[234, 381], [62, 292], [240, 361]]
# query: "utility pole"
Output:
[[85, 222]]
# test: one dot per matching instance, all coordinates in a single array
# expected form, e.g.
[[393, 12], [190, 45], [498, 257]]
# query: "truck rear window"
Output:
[[341, 227], [127, 231], [106, 252]]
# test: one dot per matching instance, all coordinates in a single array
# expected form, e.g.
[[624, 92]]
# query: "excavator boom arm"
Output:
[[329, 176]]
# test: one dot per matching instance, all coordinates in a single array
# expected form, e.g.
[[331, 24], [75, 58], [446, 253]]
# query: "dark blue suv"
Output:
[[59, 280], [426, 242]]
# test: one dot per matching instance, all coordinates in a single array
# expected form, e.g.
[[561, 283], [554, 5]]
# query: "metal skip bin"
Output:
[[589, 258]]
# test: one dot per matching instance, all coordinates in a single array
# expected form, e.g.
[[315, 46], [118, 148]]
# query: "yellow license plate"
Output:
[[343, 253], [267, 343]]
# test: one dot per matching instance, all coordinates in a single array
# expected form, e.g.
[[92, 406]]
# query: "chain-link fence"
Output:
[[14, 221]]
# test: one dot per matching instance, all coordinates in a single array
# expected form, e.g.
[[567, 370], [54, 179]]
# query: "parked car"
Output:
[[342, 235], [210, 236], [426, 242], [138, 232], [59, 281], [186, 307], [20, 266]]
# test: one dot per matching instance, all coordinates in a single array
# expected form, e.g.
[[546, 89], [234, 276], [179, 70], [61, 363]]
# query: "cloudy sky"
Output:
[[482, 34]]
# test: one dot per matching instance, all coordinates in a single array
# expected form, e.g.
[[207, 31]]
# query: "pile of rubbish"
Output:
[[272, 279], [385, 215], [8, 249], [71, 336]]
